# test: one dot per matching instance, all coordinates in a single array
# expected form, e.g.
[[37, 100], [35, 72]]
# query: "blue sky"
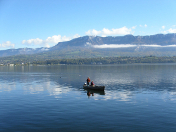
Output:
[[44, 23]]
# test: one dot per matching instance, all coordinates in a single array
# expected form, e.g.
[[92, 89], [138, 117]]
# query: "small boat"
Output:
[[95, 87]]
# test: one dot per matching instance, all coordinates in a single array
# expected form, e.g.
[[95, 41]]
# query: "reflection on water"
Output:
[[92, 92], [139, 97], [121, 81]]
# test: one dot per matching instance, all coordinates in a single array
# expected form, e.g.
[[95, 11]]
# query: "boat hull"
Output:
[[101, 88]]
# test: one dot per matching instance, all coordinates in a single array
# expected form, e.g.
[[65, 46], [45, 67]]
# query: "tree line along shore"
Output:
[[107, 60], [99, 61]]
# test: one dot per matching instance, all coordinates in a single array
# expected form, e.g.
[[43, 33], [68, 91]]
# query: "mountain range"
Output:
[[107, 45]]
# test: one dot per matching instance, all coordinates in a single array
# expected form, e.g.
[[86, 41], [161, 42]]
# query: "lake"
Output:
[[137, 97]]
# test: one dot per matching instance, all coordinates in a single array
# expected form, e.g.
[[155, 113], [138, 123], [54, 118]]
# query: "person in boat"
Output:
[[92, 83], [88, 80]]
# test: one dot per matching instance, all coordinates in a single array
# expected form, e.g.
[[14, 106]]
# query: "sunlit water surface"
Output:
[[140, 97]]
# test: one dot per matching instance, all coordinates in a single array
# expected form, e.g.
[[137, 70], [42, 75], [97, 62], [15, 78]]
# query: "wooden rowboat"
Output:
[[101, 88]]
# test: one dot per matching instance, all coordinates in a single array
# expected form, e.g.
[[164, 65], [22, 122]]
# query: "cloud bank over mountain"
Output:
[[53, 40], [129, 46], [104, 32], [50, 41], [7, 44], [126, 43]]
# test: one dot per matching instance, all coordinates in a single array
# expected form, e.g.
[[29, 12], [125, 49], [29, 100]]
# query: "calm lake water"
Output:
[[137, 97]]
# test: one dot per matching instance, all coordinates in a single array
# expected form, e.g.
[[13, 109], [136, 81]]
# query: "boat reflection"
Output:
[[92, 92]]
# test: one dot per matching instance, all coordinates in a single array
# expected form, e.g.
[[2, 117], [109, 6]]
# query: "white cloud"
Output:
[[114, 46], [164, 32], [49, 41], [119, 31], [95, 32], [103, 35], [76, 36], [143, 25], [163, 27], [172, 30], [36, 41], [159, 46], [128, 45], [56, 38], [134, 27], [7, 44]]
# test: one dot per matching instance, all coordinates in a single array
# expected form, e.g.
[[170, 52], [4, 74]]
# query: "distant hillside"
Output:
[[21, 51], [158, 39], [95, 46], [127, 43]]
